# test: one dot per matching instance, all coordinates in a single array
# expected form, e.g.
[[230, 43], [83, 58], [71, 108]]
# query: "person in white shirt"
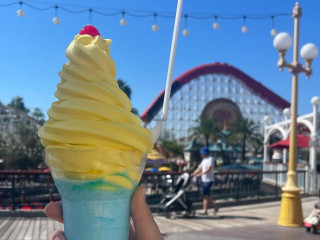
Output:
[[205, 170]]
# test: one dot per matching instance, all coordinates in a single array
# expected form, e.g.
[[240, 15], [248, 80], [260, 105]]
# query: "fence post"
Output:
[[259, 182], [304, 177], [50, 194], [22, 197], [307, 179], [13, 192], [276, 184], [238, 186]]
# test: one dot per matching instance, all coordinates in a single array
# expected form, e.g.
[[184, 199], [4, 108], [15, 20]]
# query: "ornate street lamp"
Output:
[[291, 211]]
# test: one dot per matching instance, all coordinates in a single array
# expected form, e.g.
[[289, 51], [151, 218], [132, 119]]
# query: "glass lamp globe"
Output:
[[20, 13], [244, 29], [315, 100], [215, 25], [185, 32], [273, 32], [56, 20], [282, 41], [309, 51], [286, 112], [123, 22], [155, 27], [266, 119]]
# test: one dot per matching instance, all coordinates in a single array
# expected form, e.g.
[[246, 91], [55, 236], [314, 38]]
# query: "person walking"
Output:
[[205, 170]]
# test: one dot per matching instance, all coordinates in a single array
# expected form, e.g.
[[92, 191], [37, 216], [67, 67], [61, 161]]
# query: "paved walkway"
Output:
[[250, 222]]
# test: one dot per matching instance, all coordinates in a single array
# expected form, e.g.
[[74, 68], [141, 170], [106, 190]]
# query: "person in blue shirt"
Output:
[[205, 171]]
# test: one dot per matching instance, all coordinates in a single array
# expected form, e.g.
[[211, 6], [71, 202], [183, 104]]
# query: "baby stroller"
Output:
[[177, 200], [312, 222]]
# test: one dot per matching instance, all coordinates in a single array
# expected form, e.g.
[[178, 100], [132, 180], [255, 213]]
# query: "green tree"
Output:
[[127, 90], [3, 151], [135, 111], [20, 146], [38, 115], [257, 143], [224, 138], [24, 150], [246, 131], [124, 87], [171, 147], [207, 129], [18, 104]]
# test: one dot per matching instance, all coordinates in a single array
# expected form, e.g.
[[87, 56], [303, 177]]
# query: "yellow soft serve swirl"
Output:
[[91, 132]]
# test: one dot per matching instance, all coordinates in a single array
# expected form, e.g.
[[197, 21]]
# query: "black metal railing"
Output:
[[228, 185], [34, 189], [26, 189]]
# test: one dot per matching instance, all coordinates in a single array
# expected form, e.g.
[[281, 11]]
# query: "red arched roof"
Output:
[[220, 68]]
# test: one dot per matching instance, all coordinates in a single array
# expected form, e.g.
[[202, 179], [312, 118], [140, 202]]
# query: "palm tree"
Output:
[[171, 148], [246, 131], [18, 104], [124, 87], [257, 143], [127, 90], [207, 129], [224, 137]]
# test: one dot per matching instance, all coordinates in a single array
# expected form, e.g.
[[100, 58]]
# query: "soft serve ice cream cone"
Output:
[[93, 143]]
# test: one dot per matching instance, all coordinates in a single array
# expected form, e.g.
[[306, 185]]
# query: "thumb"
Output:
[[144, 225]]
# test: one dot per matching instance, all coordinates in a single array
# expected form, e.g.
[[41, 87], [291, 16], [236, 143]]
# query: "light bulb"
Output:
[[282, 41], [266, 119], [244, 29], [286, 112], [215, 25], [56, 20], [309, 51], [315, 100], [185, 32], [123, 22], [273, 32], [155, 27], [20, 13]]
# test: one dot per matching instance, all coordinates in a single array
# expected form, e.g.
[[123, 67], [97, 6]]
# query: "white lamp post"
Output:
[[291, 211], [286, 113], [314, 184], [266, 120]]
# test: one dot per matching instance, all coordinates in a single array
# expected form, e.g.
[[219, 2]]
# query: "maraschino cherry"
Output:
[[89, 30]]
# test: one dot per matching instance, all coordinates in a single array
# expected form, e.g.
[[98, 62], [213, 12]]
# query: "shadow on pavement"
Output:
[[219, 217], [244, 217]]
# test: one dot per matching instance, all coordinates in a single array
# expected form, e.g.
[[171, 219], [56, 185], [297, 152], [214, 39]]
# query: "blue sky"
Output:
[[33, 48]]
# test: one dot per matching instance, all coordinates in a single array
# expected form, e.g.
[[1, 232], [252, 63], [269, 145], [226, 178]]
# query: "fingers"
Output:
[[144, 225], [54, 210], [58, 235]]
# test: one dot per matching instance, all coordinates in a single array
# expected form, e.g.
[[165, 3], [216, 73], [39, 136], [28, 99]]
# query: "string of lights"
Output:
[[108, 12]]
